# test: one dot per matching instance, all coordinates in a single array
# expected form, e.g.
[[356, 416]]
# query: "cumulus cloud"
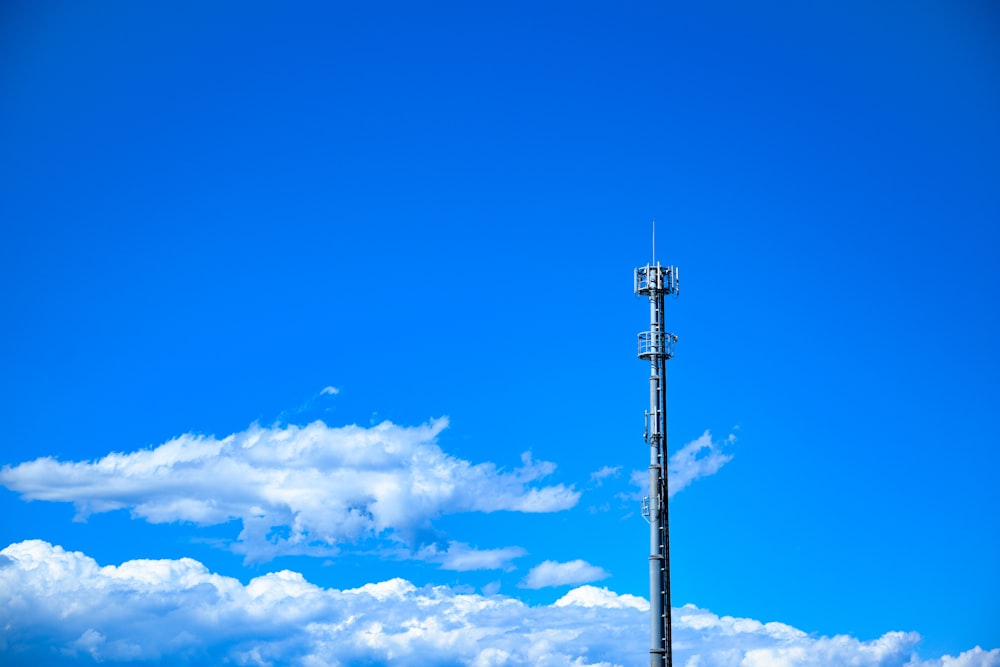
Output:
[[304, 490], [57, 607], [699, 458], [592, 596], [552, 573]]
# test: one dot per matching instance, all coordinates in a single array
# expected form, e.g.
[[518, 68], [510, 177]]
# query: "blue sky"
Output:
[[417, 226]]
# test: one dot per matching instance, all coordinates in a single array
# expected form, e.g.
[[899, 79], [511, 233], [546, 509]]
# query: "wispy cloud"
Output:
[[552, 573], [461, 557], [58, 607], [329, 391], [604, 473], [308, 489], [699, 458]]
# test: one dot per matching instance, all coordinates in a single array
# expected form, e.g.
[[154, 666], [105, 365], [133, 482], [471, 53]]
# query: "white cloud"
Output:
[[59, 607], [699, 458], [604, 473], [551, 573], [296, 489], [592, 596], [461, 557], [329, 391], [976, 657]]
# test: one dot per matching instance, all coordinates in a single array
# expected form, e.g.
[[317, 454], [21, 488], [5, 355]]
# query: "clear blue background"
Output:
[[210, 211]]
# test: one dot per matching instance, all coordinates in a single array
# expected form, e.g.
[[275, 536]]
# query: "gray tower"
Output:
[[656, 346]]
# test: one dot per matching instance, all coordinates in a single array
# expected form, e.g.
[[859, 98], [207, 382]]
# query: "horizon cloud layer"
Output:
[[60, 607]]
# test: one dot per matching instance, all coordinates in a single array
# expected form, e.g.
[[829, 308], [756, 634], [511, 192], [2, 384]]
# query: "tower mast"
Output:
[[656, 346]]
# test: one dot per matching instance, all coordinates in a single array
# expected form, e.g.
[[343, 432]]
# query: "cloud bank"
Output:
[[296, 490], [60, 608]]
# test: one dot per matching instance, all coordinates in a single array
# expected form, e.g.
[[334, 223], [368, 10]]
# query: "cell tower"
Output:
[[656, 346]]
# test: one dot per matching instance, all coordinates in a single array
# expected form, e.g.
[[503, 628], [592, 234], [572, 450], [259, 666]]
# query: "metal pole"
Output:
[[656, 579], [656, 346]]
